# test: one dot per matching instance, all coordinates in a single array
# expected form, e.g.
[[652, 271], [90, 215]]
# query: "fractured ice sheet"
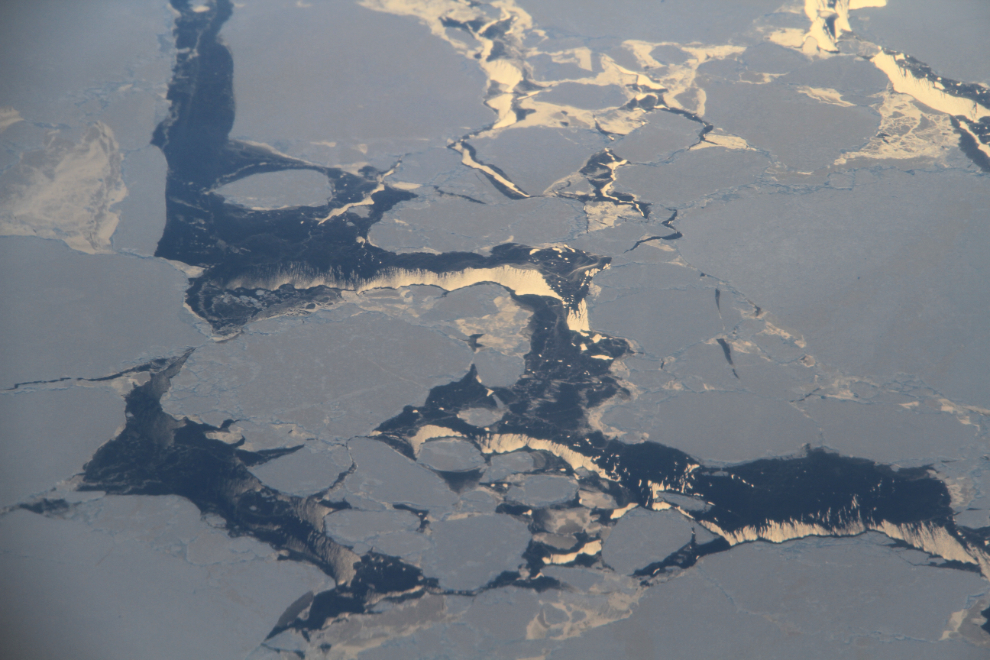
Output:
[[68, 314], [61, 71], [910, 132], [742, 331], [920, 28], [693, 175], [350, 365], [877, 278]]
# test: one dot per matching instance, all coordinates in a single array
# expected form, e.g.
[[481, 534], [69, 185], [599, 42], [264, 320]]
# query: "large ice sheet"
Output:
[[471, 551], [65, 71], [692, 176], [805, 599], [139, 578], [893, 433], [49, 435], [920, 28], [879, 279], [681, 21], [642, 537], [712, 251], [333, 94], [68, 314], [782, 120]]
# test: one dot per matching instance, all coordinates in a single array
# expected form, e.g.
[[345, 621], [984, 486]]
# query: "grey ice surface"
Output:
[[811, 599], [920, 28], [473, 550], [142, 212], [681, 21], [383, 531], [68, 314], [332, 374], [693, 175], [502, 465], [579, 95], [781, 120], [384, 475], [47, 436], [642, 537], [139, 577], [450, 224], [535, 157], [663, 133], [540, 490], [328, 107], [890, 433], [867, 275], [663, 308], [850, 303], [69, 71], [725, 427]]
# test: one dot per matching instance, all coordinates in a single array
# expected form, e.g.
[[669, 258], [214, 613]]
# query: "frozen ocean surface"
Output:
[[494, 329]]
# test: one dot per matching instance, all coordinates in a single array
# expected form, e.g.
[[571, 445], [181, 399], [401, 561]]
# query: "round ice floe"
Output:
[[481, 417], [450, 455], [505, 464], [274, 190]]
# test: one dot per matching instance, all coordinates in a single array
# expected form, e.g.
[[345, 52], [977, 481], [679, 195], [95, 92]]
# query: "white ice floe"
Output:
[[66, 191]]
